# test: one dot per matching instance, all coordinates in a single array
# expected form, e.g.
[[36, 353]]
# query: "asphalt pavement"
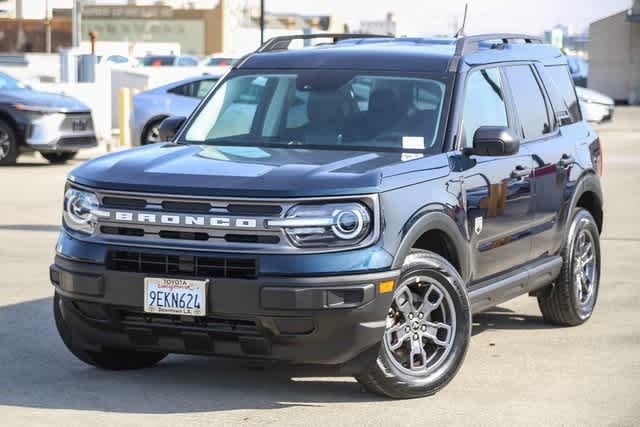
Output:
[[518, 371]]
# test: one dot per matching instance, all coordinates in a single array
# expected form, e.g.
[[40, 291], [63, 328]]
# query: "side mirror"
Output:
[[494, 141], [169, 127]]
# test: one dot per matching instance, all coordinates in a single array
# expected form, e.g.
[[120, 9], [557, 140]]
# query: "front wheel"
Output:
[[427, 333]]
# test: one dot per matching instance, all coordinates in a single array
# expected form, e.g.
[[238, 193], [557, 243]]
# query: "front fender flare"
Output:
[[434, 221]]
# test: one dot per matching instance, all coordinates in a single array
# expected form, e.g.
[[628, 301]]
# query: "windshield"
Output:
[[322, 108], [9, 83]]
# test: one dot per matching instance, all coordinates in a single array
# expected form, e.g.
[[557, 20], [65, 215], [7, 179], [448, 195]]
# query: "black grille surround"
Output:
[[183, 265]]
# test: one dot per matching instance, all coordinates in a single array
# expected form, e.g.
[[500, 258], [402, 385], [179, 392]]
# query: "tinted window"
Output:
[[187, 61], [564, 85], [197, 89], [483, 103], [529, 101]]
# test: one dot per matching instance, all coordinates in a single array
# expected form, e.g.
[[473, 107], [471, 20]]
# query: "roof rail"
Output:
[[470, 44], [283, 42]]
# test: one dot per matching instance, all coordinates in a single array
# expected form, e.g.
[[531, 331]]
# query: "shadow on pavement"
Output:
[[503, 318], [37, 371]]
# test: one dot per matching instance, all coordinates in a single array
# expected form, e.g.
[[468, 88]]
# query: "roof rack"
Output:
[[283, 42], [470, 44]]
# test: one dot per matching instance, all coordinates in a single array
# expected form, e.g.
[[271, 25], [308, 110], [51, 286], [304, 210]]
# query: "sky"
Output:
[[429, 17]]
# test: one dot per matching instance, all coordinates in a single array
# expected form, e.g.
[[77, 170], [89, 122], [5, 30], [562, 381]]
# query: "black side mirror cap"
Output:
[[494, 141], [169, 127]]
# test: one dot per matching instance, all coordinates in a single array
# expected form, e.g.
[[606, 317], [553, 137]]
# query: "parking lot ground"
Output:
[[518, 371]]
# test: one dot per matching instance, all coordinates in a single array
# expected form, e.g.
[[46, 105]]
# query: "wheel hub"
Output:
[[421, 326]]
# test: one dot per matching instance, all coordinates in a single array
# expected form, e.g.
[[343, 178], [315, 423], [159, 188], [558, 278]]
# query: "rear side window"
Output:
[[483, 103], [529, 101], [564, 85]]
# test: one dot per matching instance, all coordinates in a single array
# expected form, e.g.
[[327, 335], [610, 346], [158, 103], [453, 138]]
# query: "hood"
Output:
[[590, 95], [35, 98], [238, 171]]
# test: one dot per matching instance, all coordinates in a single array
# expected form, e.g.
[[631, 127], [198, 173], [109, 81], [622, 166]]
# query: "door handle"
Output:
[[566, 160], [520, 172]]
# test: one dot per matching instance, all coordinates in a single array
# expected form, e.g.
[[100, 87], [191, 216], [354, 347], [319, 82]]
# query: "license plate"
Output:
[[175, 296]]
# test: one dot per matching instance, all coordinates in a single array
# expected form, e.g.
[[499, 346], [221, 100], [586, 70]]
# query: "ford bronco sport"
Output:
[[351, 203]]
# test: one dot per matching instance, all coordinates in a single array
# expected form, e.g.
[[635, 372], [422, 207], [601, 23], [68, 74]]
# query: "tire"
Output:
[[397, 372], [150, 133], [8, 144], [110, 359], [59, 158], [570, 300]]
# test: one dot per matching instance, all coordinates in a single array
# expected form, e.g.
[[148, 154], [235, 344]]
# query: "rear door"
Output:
[[552, 148], [497, 190]]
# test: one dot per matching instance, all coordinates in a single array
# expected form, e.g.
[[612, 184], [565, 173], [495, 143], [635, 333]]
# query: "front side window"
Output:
[[483, 103], [529, 101], [328, 108]]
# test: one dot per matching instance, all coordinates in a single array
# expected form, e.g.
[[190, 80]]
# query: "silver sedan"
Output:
[[175, 99]]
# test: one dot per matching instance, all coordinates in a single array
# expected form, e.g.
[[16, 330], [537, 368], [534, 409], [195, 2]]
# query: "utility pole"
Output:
[[47, 26], [261, 22], [76, 23]]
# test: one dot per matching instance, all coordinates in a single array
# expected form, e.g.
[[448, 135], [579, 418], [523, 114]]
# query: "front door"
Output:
[[497, 190]]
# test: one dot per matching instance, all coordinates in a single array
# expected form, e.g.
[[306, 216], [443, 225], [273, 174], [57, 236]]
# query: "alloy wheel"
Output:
[[5, 144], [585, 269], [153, 134], [421, 326]]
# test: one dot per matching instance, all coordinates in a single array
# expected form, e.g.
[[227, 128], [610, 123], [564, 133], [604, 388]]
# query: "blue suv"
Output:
[[350, 203]]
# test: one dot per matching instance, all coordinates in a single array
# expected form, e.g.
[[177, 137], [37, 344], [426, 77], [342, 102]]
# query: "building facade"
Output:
[[614, 55]]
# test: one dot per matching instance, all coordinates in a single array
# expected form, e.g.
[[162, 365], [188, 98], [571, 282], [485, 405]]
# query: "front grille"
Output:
[[77, 123], [180, 265]]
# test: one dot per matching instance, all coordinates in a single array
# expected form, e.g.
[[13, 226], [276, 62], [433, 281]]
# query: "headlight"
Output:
[[81, 210], [330, 225]]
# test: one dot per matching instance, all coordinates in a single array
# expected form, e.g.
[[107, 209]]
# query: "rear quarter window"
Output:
[[563, 84]]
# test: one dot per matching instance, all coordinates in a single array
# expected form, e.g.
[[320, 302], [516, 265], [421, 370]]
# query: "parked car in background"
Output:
[[169, 61], [596, 107], [55, 125], [579, 68], [151, 107], [219, 60], [117, 61]]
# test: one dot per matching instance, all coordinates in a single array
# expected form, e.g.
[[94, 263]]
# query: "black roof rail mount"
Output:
[[283, 42], [470, 44]]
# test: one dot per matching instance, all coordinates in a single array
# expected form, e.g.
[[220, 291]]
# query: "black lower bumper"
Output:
[[311, 320]]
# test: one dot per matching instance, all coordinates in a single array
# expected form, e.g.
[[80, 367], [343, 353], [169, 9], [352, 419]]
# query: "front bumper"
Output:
[[328, 320], [59, 132]]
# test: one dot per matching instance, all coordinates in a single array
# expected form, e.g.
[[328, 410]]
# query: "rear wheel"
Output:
[[427, 333], [57, 158], [8, 144], [112, 359], [571, 299]]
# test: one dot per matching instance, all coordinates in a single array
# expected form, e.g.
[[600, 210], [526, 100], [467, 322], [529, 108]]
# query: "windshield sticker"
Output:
[[413, 143]]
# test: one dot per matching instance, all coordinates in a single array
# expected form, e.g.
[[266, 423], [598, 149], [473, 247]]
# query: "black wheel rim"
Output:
[[421, 326]]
